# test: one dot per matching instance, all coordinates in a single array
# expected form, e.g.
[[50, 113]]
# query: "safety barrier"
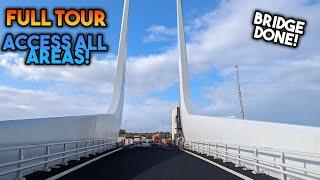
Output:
[[24, 160], [274, 162]]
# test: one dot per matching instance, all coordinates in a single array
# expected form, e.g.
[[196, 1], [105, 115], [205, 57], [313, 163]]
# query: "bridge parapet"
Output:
[[64, 129], [258, 134], [19, 161], [282, 164]]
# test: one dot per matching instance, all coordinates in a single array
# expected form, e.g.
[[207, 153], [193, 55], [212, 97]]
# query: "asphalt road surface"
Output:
[[148, 163]]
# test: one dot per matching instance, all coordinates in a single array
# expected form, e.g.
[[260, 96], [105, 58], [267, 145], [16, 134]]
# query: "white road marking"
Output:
[[219, 166], [81, 165]]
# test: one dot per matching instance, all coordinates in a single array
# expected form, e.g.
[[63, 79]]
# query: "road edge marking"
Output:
[[82, 165], [218, 165]]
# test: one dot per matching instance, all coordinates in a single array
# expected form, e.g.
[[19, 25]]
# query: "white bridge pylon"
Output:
[[55, 129], [237, 131]]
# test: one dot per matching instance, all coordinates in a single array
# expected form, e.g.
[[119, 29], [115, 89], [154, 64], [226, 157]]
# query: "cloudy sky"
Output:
[[279, 84]]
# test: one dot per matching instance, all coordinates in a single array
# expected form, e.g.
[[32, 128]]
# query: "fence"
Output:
[[16, 162], [274, 162]]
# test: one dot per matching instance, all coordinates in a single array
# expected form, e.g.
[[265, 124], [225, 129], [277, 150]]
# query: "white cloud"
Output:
[[152, 74], [93, 91], [281, 92], [138, 116], [143, 73], [150, 115], [158, 33], [21, 104], [99, 75]]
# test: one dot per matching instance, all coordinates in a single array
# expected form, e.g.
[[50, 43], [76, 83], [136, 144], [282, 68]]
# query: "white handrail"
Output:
[[34, 161], [43, 145], [206, 147], [273, 149], [46, 156], [266, 161]]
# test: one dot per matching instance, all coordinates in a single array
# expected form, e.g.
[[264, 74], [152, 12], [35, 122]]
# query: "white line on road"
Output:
[[219, 166], [81, 165]]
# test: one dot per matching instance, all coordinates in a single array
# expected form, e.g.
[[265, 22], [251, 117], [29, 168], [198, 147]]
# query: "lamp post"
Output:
[[239, 93]]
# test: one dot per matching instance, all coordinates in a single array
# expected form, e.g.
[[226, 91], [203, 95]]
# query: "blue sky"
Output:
[[143, 14], [279, 84]]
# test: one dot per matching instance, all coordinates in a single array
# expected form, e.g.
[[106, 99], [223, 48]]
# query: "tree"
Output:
[[122, 132]]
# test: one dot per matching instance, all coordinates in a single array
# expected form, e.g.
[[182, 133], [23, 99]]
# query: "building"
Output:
[[176, 131], [128, 141], [136, 139]]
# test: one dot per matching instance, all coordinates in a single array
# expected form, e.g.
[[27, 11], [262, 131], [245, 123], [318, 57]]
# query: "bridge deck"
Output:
[[150, 163]]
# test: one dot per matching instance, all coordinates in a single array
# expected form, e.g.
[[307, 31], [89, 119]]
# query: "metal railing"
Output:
[[274, 162], [17, 162]]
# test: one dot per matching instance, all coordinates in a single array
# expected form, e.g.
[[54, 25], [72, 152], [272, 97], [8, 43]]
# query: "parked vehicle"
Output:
[[136, 139]]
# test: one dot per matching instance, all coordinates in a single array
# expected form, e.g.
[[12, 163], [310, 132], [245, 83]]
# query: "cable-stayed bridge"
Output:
[[83, 147]]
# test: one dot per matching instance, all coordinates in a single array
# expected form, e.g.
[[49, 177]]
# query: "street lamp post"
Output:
[[239, 93]]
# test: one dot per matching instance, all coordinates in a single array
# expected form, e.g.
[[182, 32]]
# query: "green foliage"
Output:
[[122, 133]]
